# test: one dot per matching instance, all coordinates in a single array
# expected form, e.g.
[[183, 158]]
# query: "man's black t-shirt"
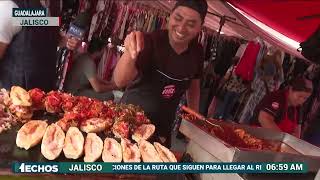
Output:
[[158, 53]]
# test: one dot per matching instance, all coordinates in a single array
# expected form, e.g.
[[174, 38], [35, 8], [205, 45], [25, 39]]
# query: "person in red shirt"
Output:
[[280, 110]]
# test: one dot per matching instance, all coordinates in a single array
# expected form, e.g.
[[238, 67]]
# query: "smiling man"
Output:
[[158, 68]]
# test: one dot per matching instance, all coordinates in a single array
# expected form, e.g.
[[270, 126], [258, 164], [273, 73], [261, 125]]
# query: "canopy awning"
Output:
[[282, 23]]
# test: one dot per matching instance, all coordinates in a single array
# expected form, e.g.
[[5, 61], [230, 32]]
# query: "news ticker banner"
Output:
[[158, 168], [33, 17]]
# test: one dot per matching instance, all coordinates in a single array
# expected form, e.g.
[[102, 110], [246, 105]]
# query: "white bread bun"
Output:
[[130, 152], [148, 152], [92, 148], [73, 143], [165, 154], [31, 133], [20, 97], [52, 142], [112, 151]]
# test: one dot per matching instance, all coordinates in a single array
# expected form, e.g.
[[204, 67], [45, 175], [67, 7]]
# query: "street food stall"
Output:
[[56, 126], [219, 141]]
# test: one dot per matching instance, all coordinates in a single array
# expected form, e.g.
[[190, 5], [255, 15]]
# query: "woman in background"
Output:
[[280, 110]]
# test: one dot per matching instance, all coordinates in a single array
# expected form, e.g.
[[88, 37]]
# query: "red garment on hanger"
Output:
[[245, 68]]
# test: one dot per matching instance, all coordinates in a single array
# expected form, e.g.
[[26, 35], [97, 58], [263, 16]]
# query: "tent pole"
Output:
[[230, 19]]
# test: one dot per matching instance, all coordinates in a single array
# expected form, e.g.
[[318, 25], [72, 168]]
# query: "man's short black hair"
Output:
[[201, 6], [95, 45]]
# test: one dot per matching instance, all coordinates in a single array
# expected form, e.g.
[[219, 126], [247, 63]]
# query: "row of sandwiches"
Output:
[[74, 145]]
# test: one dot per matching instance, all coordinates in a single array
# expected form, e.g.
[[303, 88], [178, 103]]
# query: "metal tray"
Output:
[[292, 149]]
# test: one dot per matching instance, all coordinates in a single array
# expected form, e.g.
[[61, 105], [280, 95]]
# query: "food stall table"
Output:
[[205, 147]]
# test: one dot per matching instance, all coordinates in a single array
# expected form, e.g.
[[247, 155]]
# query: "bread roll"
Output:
[[145, 131], [73, 143], [112, 151], [31, 133], [20, 97], [20, 103], [92, 148], [130, 152], [52, 142], [148, 152], [165, 154]]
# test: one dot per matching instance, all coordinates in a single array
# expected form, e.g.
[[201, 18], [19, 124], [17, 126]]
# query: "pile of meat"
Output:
[[89, 115], [80, 119], [233, 136]]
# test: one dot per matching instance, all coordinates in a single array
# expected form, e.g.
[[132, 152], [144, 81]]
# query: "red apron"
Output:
[[288, 125]]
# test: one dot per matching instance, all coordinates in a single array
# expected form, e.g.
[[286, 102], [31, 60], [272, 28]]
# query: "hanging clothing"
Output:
[[265, 81], [117, 19], [123, 25], [164, 22], [225, 52], [97, 17], [246, 66], [104, 26], [161, 82], [121, 13], [234, 86], [262, 52], [241, 50], [234, 83], [217, 61]]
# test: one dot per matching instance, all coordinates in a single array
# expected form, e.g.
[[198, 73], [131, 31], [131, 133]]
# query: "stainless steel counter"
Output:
[[293, 149]]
